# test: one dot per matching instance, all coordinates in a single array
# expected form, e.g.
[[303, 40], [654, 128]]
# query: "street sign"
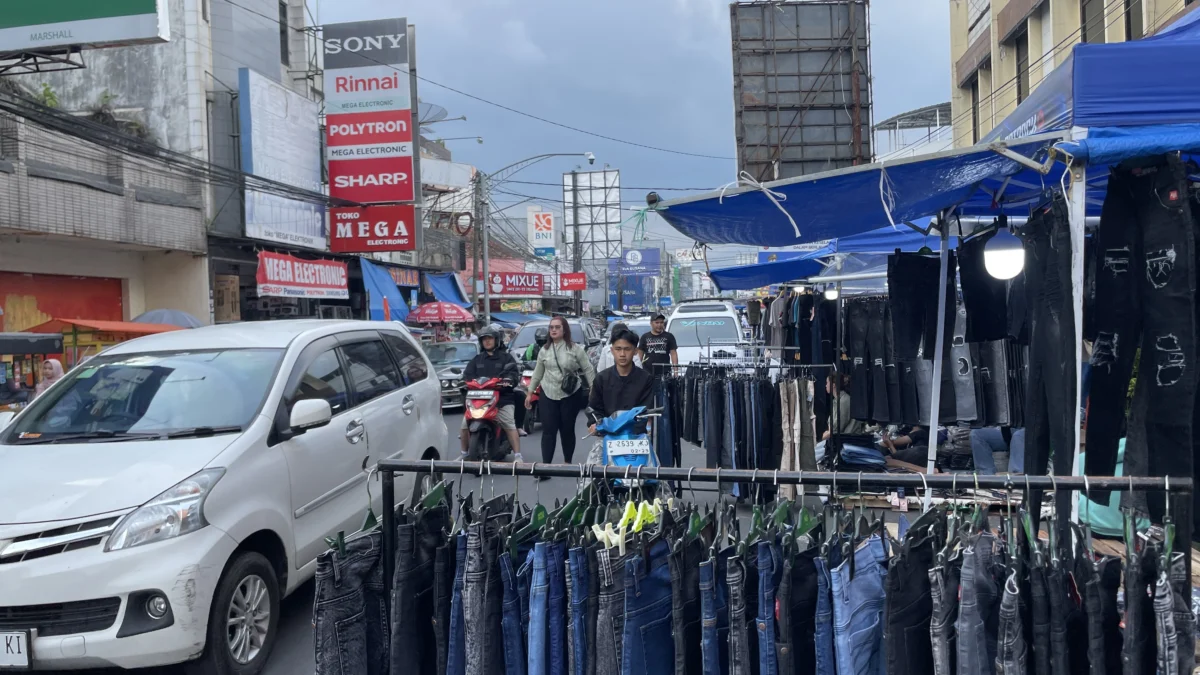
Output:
[[572, 281]]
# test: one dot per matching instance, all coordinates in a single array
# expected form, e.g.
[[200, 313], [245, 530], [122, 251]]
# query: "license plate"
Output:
[[480, 395], [637, 446], [14, 650]]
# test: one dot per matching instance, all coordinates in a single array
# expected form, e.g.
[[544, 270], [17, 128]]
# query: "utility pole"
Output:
[[577, 265], [477, 216], [483, 223]]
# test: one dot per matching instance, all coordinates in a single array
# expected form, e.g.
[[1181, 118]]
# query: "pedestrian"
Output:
[[52, 371], [564, 373], [658, 348]]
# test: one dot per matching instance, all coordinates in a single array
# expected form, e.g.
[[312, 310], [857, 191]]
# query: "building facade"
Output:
[[1001, 50]]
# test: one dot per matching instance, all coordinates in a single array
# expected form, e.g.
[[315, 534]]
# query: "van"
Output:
[[704, 326]]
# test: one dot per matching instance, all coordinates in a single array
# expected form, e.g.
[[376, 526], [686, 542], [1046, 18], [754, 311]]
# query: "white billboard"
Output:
[[541, 232], [40, 26]]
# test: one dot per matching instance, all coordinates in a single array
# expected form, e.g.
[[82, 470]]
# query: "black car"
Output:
[[449, 360]]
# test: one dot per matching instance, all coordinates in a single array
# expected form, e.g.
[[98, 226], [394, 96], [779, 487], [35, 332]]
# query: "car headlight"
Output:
[[177, 511]]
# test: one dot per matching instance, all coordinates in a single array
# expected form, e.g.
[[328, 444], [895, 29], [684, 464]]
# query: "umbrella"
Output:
[[440, 312], [170, 317]]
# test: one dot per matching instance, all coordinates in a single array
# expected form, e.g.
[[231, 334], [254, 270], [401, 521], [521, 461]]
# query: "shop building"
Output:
[[1001, 51]]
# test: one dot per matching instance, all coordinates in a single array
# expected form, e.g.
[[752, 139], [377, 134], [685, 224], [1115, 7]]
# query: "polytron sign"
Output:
[[368, 104], [516, 283]]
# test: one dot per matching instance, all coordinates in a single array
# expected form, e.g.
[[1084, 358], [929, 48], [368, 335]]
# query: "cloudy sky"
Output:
[[652, 72]]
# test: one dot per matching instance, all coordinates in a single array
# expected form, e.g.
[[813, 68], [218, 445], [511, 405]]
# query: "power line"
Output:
[[510, 109], [623, 187]]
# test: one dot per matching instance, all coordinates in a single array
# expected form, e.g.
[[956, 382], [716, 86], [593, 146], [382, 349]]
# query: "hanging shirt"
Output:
[[657, 349]]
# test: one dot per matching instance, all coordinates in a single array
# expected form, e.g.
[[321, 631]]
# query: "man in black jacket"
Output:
[[622, 387], [494, 360]]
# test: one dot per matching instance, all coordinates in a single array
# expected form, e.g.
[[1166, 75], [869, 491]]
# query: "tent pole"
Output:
[[1077, 205], [935, 398]]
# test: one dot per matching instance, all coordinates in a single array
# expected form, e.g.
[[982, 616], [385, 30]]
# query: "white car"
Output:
[[159, 501], [710, 328]]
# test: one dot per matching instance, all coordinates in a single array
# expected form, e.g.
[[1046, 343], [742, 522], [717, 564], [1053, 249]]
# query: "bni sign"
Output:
[[541, 232], [368, 104]]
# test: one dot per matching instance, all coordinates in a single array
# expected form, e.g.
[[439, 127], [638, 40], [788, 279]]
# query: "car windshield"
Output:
[[697, 332], [442, 354], [152, 394], [525, 336]]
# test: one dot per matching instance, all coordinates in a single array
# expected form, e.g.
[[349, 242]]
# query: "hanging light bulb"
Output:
[[831, 293], [1003, 256]]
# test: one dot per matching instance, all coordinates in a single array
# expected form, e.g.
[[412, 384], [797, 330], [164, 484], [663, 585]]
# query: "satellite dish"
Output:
[[430, 112]]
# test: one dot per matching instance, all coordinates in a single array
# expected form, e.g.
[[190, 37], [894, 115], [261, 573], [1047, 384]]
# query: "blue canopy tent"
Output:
[[446, 288], [380, 285], [515, 317]]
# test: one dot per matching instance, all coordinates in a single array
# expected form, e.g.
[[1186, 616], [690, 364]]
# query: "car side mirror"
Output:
[[6, 417], [309, 414]]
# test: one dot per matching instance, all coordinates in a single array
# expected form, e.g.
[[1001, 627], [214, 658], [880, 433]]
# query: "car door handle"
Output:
[[408, 404], [355, 431]]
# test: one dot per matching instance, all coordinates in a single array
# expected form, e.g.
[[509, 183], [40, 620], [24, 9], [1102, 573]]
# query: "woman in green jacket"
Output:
[[564, 373]]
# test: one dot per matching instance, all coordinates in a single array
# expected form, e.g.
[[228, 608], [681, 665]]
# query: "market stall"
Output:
[[84, 338]]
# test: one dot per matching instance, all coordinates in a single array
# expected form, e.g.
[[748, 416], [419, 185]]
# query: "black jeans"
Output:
[[685, 606], [1051, 396], [858, 320], [913, 297], [1139, 653], [350, 623], [1145, 297], [413, 593], [558, 420], [985, 298], [1040, 601], [993, 376], [1104, 622], [908, 610]]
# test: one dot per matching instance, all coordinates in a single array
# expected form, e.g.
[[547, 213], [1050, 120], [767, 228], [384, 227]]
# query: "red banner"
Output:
[[516, 283], [572, 281], [285, 276], [388, 179], [372, 228], [369, 128]]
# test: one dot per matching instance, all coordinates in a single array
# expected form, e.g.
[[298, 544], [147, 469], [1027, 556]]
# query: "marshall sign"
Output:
[[369, 118], [372, 228]]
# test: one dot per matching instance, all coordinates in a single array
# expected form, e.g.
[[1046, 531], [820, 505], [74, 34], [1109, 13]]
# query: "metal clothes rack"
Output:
[[389, 467]]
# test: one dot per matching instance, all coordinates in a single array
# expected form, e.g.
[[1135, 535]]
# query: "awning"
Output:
[[446, 288], [122, 327], [30, 343], [380, 287], [1111, 145], [850, 201], [747, 277], [513, 317]]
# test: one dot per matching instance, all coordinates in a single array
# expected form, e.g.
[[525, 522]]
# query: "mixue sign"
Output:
[[286, 276], [373, 228], [369, 118], [516, 283]]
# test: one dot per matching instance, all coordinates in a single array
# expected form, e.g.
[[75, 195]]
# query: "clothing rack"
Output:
[[389, 467]]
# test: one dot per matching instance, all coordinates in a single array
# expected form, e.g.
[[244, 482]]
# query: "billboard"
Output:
[[285, 276], [572, 281], [40, 26], [369, 111], [516, 283], [592, 212], [637, 262], [365, 229], [281, 141], [541, 232], [801, 86]]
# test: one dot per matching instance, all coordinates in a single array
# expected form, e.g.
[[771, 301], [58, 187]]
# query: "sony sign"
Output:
[[366, 43]]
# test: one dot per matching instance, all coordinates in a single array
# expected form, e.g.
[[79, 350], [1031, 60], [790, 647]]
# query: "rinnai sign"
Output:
[[373, 228], [368, 105], [34, 26], [572, 281], [516, 283], [286, 276]]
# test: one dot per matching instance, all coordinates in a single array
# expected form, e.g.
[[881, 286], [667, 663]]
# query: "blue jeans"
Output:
[[990, 440], [976, 628], [539, 601], [580, 591], [556, 637], [826, 663], [514, 636], [714, 617], [770, 569], [858, 611], [649, 647], [456, 657]]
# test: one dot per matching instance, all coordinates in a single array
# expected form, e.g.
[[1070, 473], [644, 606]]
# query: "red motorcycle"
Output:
[[482, 410]]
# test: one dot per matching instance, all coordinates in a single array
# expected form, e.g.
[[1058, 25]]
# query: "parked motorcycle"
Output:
[[621, 446], [532, 416], [482, 409]]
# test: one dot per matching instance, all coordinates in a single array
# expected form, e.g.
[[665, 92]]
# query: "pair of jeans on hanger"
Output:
[[976, 627], [858, 598], [348, 587], [414, 645], [908, 609], [943, 596], [912, 280]]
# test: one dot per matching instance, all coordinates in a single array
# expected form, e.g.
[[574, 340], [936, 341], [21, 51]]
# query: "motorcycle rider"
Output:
[[493, 360], [540, 337], [622, 387]]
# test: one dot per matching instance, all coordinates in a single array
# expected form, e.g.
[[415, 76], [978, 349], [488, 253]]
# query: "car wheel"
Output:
[[244, 619]]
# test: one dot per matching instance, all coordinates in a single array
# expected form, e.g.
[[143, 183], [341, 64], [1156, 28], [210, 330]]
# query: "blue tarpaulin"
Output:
[[514, 317], [380, 285], [445, 288]]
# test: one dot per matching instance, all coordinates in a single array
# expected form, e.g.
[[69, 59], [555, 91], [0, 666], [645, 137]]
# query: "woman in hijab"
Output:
[[52, 371]]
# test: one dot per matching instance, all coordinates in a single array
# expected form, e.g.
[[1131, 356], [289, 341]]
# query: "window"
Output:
[[1134, 30], [283, 34], [323, 380], [975, 110], [412, 364], [371, 370], [699, 331], [1091, 15], [1022, 67]]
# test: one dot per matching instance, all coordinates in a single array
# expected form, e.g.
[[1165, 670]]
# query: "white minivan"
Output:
[[711, 328], [159, 501]]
